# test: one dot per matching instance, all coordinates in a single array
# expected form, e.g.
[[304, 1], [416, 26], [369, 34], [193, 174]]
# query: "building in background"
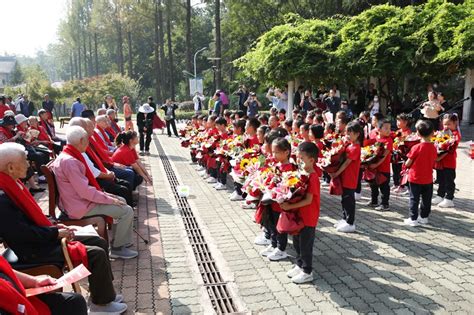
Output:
[[7, 66]]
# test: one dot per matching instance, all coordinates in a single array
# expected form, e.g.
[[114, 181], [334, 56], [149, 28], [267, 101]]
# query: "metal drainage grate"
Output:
[[213, 282]]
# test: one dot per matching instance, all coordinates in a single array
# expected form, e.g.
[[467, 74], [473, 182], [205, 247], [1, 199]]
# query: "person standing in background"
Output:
[[170, 117], [127, 113], [27, 107], [48, 105], [243, 95], [198, 100], [224, 99], [77, 108]]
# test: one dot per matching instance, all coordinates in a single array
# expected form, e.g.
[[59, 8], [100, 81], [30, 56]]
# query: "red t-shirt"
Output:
[[424, 157], [385, 166], [252, 141], [3, 109], [320, 146], [310, 214], [350, 175], [125, 155], [449, 161]]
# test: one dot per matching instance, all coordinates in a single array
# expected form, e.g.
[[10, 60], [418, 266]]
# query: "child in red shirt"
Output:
[[316, 133], [349, 172], [421, 160], [304, 132], [308, 209], [403, 124], [383, 168], [446, 166], [221, 167]]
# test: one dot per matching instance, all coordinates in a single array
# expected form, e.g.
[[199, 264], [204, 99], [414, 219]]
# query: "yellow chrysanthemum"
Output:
[[293, 181], [244, 163]]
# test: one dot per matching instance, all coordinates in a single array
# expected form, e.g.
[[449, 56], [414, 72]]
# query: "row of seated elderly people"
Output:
[[94, 175]]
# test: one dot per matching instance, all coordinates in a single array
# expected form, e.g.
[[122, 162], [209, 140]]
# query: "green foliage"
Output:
[[93, 90]]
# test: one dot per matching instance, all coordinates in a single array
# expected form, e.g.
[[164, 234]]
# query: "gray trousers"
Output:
[[122, 228]]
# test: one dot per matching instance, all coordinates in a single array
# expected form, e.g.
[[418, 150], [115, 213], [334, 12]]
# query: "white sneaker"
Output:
[[324, 184], [357, 196], [411, 222], [220, 186], [302, 277], [211, 180], [277, 255], [436, 200], [267, 251], [199, 168], [235, 197], [446, 203], [422, 220], [203, 173], [339, 223], [248, 206], [294, 271], [262, 240], [346, 228]]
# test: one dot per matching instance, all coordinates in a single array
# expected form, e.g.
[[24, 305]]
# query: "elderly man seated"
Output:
[[80, 195], [114, 129], [104, 177], [101, 124], [34, 239]]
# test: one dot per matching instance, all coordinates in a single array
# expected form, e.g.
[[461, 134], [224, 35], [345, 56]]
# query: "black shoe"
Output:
[[371, 204], [36, 190]]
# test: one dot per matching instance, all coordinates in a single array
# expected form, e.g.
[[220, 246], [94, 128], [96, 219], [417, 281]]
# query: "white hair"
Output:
[[101, 111], [74, 135], [10, 152], [101, 118], [78, 121], [110, 111]]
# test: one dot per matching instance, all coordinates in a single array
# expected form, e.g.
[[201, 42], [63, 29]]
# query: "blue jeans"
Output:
[[127, 174]]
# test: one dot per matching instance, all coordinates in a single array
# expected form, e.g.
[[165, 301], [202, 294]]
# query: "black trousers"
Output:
[[101, 279], [171, 123], [65, 303], [348, 205], [222, 177], [118, 187], [384, 190], [359, 181], [326, 177], [446, 184], [423, 192], [303, 244], [396, 169], [145, 144], [40, 158], [213, 172], [278, 240]]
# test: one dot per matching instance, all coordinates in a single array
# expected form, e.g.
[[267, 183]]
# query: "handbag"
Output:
[[335, 186], [289, 223]]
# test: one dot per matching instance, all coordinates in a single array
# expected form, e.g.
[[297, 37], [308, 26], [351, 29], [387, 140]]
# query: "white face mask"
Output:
[[376, 99]]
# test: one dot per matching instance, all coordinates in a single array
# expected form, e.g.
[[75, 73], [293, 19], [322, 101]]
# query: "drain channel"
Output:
[[213, 282]]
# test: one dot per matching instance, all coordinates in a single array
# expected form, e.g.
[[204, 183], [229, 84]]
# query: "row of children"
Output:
[[275, 138]]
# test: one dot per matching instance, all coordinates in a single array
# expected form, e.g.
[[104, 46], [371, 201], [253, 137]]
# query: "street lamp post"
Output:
[[195, 55]]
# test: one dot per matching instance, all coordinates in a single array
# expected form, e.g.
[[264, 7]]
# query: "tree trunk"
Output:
[[158, 82], [91, 66], [467, 110], [78, 65], [84, 48], [71, 63], [218, 54], [130, 59], [96, 55], [189, 65], [170, 50], [119, 43], [161, 45]]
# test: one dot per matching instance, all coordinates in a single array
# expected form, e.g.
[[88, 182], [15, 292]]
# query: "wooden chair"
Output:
[[53, 269], [98, 221]]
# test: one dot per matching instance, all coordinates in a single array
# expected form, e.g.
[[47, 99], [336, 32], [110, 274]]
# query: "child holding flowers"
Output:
[[420, 162], [446, 163], [349, 172], [281, 150], [382, 168], [308, 209], [404, 130]]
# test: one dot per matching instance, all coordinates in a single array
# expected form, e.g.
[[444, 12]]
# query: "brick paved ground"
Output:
[[384, 268]]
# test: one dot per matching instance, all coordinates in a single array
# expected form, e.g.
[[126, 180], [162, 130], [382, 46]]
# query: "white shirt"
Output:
[[94, 170], [196, 99]]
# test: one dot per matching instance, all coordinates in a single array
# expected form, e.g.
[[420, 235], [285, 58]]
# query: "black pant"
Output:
[[359, 181], [65, 303], [171, 123], [118, 187], [348, 205], [40, 158], [426, 193], [397, 169], [446, 184], [213, 172], [326, 177], [303, 244], [145, 144], [278, 240], [384, 190], [222, 177]]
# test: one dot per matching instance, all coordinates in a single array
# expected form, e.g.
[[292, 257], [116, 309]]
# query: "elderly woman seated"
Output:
[[101, 124], [43, 137], [34, 239], [114, 129], [80, 195]]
